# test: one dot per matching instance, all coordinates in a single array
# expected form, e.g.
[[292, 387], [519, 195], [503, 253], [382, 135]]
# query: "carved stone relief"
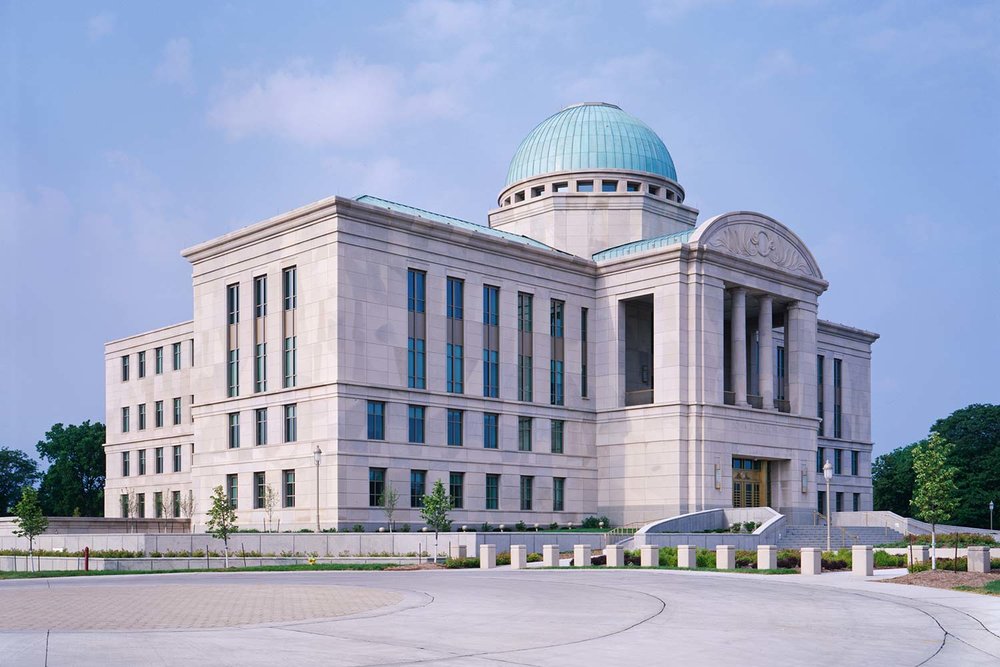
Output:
[[763, 245]]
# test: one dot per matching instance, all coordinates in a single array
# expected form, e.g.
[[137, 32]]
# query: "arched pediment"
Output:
[[759, 239]]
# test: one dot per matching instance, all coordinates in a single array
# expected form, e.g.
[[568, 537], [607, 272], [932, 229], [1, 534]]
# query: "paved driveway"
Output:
[[538, 617]]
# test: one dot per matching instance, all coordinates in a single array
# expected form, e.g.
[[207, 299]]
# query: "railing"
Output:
[[755, 401], [729, 397], [622, 533], [639, 397], [819, 519], [782, 405]]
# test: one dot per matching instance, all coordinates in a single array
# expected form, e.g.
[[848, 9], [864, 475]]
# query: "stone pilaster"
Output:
[[738, 347], [766, 371]]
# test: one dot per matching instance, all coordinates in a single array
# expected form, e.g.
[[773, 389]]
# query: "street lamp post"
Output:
[[991, 515], [828, 474], [317, 455]]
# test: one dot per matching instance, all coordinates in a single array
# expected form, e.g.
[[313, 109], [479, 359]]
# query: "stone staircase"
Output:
[[796, 537]]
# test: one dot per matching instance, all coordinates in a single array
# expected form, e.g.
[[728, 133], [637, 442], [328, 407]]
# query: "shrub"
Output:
[[594, 522], [534, 558], [885, 559], [329, 530], [486, 527], [668, 556], [746, 558], [789, 558], [520, 526], [304, 530], [248, 530], [503, 558], [552, 526], [704, 558], [460, 563], [405, 528], [749, 526]]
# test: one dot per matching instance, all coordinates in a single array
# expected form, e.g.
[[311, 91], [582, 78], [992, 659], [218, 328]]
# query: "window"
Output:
[[288, 362], [142, 461], [418, 484], [455, 422], [654, 190], [125, 462], [538, 191], [519, 196], [233, 355], [142, 416], [584, 186], [234, 430], [526, 483], [125, 368], [158, 460], [376, 420], [159, 360], [233, 374], [557, 318], [558, 427], [177, 411], [456, 298], [140, 505], [177, 458], [525, 346], [259, 490], [416, 366], [524, 434], [632, 186], [837, 406], [456, 489], [560, 187], [525, 308], [142, 364], [233, 304], [779, 378], [491, 341], [260, 426], [837, 461], [123, 501], [232, 490], [455, 362], [558, 494], [175, 504], [288, 488], [158, 504], [819, 459], [491, 430], [609, 186], [854, 462], [376, 486], [291, 425], [819, 394], [260, 296], [416, 290], [839, 502], [176, 353], [492, 492], [125, 419], [584, 323], [557, 327], [289, 288], [821, 502], [191, 360], [491, 373], [856, 502], [455, 368], [557, 395], [158, 414], [415, 414], [260, 367]]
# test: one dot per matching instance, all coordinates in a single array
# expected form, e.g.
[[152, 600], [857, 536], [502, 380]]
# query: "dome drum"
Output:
[[605, 182]]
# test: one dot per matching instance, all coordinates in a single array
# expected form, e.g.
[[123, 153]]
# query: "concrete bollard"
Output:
[[725, 557], [979, 559], [919, 554], [615, 555], [862, 560], [649, 556], [550, 555], [457, 552], [812, 560], [767, 557], [687, 556], [518, 556], [487, 556], [581, 555]]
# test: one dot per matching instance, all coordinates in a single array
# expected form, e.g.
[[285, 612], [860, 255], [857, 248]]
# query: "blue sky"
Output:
[[128, 132]]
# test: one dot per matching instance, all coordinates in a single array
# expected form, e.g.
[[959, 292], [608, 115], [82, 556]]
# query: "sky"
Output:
[[129, 131]]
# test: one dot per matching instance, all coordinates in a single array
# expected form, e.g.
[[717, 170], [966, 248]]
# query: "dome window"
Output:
[[537, 191], [584, 186], [609, 186], [654, 190], [632, 186], [560, 187], [519, 196]]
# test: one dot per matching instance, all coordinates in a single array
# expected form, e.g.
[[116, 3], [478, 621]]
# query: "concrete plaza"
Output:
[[531, 617]]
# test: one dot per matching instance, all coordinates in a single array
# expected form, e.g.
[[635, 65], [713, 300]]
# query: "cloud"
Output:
[[777, 64], [351, 103], [100, 26], [175, 66], [619, 80]]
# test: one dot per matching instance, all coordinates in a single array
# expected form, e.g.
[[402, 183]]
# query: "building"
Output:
[[592, 351]]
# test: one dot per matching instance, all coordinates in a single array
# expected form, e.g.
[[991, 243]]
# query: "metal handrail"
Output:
[[623, 533]]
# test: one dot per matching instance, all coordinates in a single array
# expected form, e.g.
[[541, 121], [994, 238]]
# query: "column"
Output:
[[765, 321], [800, 352], [738, 347]]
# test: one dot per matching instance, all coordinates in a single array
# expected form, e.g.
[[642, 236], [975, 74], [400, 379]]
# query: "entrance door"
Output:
[[750, 482]]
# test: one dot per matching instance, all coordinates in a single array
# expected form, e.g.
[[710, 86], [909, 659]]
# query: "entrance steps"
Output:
[[797, 537]]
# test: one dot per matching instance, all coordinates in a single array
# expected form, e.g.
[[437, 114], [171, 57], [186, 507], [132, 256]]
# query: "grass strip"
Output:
[[44, 574]]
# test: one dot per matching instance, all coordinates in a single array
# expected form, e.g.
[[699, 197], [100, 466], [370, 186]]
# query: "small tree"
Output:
[[221, 519], [435, 512], [270, 502], [390, 499], [29, 519], [187, 508], [935, 493]]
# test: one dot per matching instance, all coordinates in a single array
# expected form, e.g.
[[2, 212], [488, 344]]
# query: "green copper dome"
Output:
[[591, 136]]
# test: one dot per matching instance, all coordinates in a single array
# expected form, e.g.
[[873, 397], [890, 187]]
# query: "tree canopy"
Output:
[[17, 470], [75, 478]]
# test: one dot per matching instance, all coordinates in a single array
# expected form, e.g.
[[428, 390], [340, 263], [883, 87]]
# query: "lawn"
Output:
[[261, 568]]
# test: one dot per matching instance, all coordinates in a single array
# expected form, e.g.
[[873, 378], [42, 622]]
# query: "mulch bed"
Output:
[[406, 568], [945, 579]]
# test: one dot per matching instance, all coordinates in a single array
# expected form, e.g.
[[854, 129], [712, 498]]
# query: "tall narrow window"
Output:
[[415, 414], [557, 327], [177, 411], [125, 368], [558, 494], [142, 416], [584, 325], [123, 501], [142, 461], [837, 405], [455, 332], [838, 505], [456, 489], [142, 364], [158, 414], [259, 490], [291, 423], [177, 458], [525, 346], [232, 490], [176, 353], [260, 426], [819, 393], [232, 340], [376, 420], [233, 373], [779, 376], [856, 503], [492, 492], [140, 505], [455, 428], [524, 434], [234, 430], [289, 362], [260, 367], [125, 419], [527, 482], [233, 304], [837, 465], [491, 435], [854, 462], [376, 486], [288, 488], [289, 303], [416, 344], [175, 504], [259, 331], [556, 377], [158, 355], [558, 427], [491, 341], [259, 296], [125, 464], [158, 460], [158, 504], [819, 459], [418, 487], [289, 289]]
